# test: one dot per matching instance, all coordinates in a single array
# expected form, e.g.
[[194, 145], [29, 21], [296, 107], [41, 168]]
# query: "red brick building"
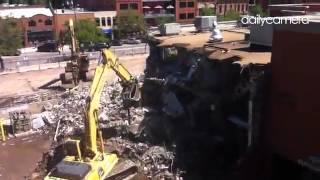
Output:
[[98, 5], [222, 6], [37, 28], [240, 6], [36, 23], [124, 5], [186, 10], [62, 16]]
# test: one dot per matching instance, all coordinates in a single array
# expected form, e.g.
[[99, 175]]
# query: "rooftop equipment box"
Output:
[[169, 29], [204, 23]]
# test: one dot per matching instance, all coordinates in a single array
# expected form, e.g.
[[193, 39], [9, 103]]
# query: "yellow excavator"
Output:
[[86, 158]]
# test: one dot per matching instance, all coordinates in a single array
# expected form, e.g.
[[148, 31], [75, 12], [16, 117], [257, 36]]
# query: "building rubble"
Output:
[[125, 132]]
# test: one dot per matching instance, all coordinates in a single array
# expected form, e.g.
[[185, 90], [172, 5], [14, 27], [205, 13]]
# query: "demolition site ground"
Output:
[[198, 102]]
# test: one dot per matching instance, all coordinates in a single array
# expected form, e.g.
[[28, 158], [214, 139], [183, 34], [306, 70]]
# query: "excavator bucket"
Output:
[[131, 94]]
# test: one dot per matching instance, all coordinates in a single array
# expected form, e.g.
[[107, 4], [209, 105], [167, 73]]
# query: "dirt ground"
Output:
[[16, 84], [19, 156]]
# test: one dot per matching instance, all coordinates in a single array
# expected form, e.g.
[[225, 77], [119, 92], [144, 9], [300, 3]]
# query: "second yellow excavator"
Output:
[[86, 159]]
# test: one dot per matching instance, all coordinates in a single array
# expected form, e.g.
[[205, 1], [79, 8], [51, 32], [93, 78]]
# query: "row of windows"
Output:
[[104, 21], [184, 4], [238, 7], [186, 16], [129, 6], [47, 22]]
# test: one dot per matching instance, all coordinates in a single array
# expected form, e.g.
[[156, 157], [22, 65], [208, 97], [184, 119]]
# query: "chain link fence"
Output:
[[47, 60]]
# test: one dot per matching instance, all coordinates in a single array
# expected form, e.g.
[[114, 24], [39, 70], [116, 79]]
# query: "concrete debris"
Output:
[[66, 118], [70, 110], [155, 162]]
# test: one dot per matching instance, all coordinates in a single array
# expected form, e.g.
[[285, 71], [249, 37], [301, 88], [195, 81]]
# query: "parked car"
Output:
[[100, 46], [48, 47], [86, 46], [116, 43], [132, 41]]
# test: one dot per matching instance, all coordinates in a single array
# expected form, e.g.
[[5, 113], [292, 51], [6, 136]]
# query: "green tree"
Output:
[[10, 36], [206, 11], [164, 20], [86, 31], [129, 22], [230, 16], [257, 10]]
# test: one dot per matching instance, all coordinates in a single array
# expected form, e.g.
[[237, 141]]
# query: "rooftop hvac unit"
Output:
[[169, 29], [204, 23]]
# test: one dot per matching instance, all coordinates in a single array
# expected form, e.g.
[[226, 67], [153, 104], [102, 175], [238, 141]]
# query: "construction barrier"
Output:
[[2, 133]]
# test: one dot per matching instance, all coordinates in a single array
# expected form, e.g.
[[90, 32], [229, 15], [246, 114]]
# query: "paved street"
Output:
[[34, 58]]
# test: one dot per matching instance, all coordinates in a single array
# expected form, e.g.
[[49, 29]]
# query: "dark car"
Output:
[[116, 43], [86, 46], [100, 46], [48, 47]]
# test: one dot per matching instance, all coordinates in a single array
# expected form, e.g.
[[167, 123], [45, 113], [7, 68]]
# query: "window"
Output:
[[242, 7], [190, 15], [48, 22], [32, 23], [124, 6], [98, 21], [220, 9], [183, 4], [103, 21], [183, 16], [40, 21], [230, 6], [191, 4], [114, 21], [134, 6], [238, 7], [109, 21]]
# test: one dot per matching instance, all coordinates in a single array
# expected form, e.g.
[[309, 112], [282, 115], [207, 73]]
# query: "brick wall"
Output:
[[37, 23], [186, 10], [126, 4], [61, 19], [99, 5]]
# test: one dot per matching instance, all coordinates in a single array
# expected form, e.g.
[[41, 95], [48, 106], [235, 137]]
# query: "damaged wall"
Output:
[[211, 131]]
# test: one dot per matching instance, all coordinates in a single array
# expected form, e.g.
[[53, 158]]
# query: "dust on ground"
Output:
[[19, 156], [17, 84]]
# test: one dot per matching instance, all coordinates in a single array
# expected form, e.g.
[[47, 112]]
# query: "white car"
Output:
[[133, 41]]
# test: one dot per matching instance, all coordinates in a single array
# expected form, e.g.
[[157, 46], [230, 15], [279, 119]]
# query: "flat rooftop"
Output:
[[233, 47]]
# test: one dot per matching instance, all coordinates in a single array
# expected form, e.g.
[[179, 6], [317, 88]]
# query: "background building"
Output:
[[186, 10], [35, 22], [98, 5], [240, 6], [153, 10], [62, 16], [105, 20]]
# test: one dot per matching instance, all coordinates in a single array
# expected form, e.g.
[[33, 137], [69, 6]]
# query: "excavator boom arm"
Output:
[[117, 67]]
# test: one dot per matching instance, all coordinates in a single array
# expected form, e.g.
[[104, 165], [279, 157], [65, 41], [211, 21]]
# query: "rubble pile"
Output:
[[67, 119], [69, 112], [156, 162]]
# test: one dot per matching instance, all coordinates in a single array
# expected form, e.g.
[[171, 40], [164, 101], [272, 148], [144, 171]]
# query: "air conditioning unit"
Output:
[[204, 23], [169, 29]]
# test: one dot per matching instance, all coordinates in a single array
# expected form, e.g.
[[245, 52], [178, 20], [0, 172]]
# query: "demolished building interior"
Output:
[[203, 114]]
